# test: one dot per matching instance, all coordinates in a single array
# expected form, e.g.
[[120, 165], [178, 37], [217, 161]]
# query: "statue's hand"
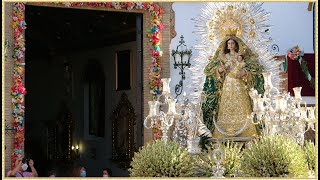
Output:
[[241, 74], [221, 69], [238, 75]]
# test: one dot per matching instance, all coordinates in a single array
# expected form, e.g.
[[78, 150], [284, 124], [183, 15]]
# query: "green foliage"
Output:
[[305, 70], [310, 153], [232, 158], [204, 163], [162, 159], [274, 156]]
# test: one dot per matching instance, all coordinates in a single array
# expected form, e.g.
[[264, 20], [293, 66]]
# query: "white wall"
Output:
[[292, 24]]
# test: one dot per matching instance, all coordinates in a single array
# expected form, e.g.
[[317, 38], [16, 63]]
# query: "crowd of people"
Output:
[[24, 167]]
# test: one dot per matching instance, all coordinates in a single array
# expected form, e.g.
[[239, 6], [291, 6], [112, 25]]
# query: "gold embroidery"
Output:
[[235, 104]]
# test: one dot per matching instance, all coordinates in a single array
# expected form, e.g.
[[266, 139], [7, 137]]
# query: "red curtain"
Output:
[[297, 78]]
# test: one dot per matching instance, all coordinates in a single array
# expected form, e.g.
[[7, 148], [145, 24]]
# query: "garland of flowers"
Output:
[[153, 34], [19, 25], [296, 53], [18, 90]]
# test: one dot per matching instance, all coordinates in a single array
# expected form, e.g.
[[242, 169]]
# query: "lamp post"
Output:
[[181, 57]]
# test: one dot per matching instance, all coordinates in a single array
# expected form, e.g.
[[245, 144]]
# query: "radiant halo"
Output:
[[246, 20]]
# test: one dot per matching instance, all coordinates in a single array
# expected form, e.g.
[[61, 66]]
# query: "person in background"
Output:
[[106, 172], [52, 173], [23, 166], [83, 172], [79, 171], [13, 172]]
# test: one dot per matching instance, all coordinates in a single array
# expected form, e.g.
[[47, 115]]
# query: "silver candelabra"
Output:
[[185, 118], [279, 113]]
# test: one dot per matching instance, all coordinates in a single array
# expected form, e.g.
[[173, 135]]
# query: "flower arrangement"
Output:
[[18, 91], [274, 156], [310, 152], [295, 52], [162, 159]]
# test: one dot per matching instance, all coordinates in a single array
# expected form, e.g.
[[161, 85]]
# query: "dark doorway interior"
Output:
[[54, 77], [64, 30]]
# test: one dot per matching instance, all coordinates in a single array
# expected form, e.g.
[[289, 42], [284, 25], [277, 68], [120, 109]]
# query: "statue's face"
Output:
[[231, 44]]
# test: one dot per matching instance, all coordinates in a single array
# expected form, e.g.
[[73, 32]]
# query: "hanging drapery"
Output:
[[296, 76]]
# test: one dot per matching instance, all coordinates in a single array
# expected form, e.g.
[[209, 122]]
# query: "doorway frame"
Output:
[[11, 68]]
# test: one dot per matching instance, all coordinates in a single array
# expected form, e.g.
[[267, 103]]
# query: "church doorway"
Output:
[[78, 64]]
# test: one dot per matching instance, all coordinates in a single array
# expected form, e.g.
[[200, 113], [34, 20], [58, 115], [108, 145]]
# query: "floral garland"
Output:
[[153, 34], [19, 25], [296, 54], [18, 90]]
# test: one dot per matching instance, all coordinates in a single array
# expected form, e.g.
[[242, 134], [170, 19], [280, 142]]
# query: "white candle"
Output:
[[178, 107], [284, 104], [297, 93], [267, 79], [254, 96], [278, 103], [154, 108], [303, 115], [165, 86], [172, 106], [311, 114], [296, 113], [261, 104], [255, 103]]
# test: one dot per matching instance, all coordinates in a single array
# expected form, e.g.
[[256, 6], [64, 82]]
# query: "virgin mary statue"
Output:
[[231, 72], [233, 53]]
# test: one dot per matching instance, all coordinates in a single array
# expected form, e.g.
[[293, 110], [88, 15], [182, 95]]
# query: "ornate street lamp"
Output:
[[181, 57]]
